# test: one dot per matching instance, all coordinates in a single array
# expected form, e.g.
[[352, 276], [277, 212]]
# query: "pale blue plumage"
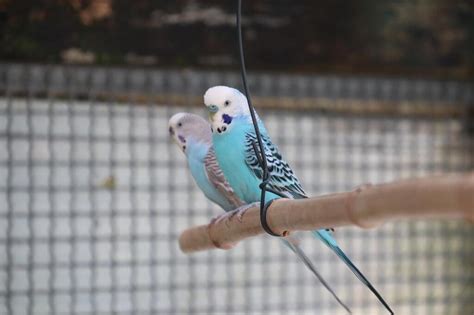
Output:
[[232, 137], [231, 154], [196, 153]]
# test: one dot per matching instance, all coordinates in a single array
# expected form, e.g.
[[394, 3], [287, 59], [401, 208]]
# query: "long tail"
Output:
[[326, 237], [301, 255]]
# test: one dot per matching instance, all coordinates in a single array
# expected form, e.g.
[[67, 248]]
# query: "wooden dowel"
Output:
[[368, 206]]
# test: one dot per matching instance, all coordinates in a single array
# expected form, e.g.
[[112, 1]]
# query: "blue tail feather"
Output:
[[305, 259], [326, 237]]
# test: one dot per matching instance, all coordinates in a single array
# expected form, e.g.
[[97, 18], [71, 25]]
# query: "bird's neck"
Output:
[[197, 149]]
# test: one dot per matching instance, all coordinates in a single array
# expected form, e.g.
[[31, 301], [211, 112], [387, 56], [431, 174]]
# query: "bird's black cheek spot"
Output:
[[171, 131], [182, 139], [227, 119], [224, 128], [219, 130], [184, 148]]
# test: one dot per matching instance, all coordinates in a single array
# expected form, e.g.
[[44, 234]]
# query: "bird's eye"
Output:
[[227, 103], [180, 124], [213, 108]]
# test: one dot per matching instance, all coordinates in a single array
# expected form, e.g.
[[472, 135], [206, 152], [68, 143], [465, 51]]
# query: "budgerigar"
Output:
[[193, 136], [233, 134]]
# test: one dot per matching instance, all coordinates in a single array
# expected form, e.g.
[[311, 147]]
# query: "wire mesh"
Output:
[[95, 195]]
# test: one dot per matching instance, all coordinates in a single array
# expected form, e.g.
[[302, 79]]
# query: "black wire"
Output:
[[261, 158]]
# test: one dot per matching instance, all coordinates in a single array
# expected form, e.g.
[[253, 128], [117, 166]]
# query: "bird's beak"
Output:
[[172, 134], [211, 116]]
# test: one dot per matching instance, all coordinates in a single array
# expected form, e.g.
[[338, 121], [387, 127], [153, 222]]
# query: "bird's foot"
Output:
[[240, 211], [219, 218], [226, 217], [215, 220]]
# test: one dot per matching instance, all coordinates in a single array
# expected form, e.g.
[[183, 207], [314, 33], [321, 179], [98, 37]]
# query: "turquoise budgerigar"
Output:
[[233, 136], [193, 136]]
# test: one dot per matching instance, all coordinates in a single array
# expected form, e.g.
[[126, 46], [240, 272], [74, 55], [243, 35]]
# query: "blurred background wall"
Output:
[[422, 37]]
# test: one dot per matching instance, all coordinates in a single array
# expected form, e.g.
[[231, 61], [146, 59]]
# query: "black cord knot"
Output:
[[263, 184]]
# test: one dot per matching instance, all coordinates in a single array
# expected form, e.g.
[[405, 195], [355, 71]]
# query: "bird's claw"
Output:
[[219, 218], [215, 220], [240, 211], [228, 216]]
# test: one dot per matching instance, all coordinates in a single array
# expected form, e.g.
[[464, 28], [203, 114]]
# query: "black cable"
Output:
[[261, 158]]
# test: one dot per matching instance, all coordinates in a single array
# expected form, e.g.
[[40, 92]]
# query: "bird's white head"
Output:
[[224, 104], [184, 127]]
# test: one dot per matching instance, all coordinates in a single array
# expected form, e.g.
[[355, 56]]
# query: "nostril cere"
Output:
[[226, 118]]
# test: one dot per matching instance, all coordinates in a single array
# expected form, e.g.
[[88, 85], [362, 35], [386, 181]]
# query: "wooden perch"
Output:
[[438, 197]]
